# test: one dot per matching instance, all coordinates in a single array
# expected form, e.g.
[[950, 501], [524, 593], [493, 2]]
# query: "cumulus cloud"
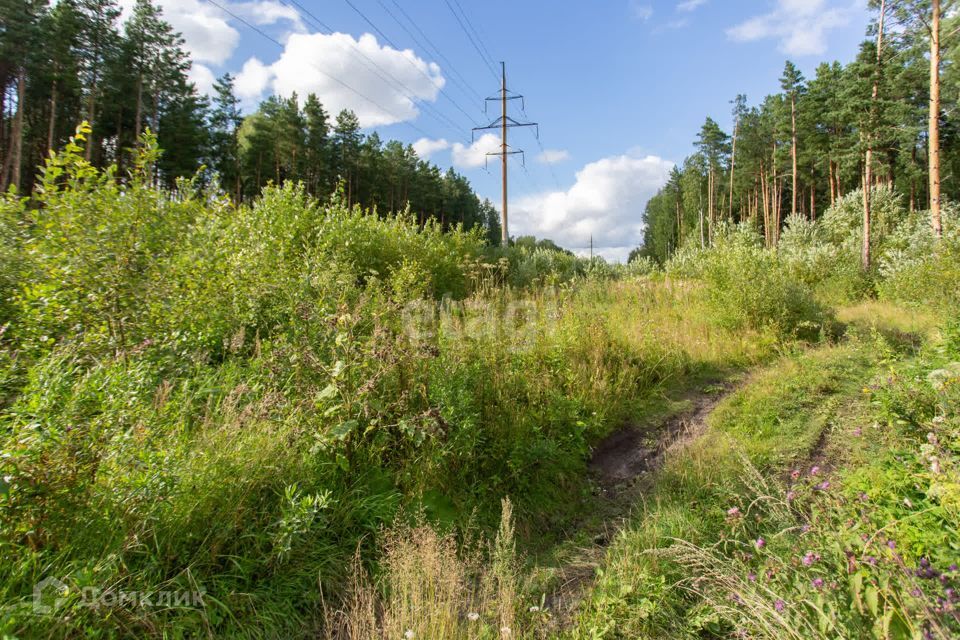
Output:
[[553, 156], [476, 154], [329, 65], [425, 147], [252, 80], [207, 33], [606, 202], [800, 26], [202, 77]]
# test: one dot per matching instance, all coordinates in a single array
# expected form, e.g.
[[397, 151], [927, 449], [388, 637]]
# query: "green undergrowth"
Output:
[[199, 398], [821, 503]]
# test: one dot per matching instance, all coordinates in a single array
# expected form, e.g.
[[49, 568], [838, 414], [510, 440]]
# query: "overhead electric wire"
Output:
[[486, 61], [335, 79], [456, 77], [476, 33], [380, 72], [429, 78], [543, 152]]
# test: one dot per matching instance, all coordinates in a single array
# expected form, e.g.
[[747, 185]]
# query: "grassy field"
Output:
[[296, 418]]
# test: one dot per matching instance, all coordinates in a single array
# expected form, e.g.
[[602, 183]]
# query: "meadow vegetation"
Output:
[[333, 422]]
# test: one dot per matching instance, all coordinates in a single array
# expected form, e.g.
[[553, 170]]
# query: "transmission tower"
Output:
[[503, 123]]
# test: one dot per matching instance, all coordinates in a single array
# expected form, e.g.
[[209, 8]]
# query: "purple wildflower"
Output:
[[810, 558], [761, 543], [872, 561], [857, 432], [791, 496], [891, 544], [795, 474], [817, 583], [823, 486], [733, 512], [752, 577], [779, 605], [814, 470]]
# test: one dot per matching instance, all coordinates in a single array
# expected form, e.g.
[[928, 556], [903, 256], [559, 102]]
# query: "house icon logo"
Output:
[[48, 595]]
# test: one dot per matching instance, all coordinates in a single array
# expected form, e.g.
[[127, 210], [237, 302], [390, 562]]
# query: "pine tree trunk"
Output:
[[813, 198], [868, 164], [17, 153], [793, 152], [711, 213], [52, 123], [139, 111], [733, 162], [935, 120], [766, 205], [833, 191], [91, 111]]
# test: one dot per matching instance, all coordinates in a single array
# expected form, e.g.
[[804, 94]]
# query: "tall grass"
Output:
[[202, 398]]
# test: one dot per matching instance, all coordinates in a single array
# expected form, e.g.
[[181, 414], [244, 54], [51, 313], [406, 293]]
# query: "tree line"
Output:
[[879, 120], [77, 61]]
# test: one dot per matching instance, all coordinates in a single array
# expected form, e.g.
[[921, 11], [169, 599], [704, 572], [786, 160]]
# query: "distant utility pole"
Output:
[[503, 123]]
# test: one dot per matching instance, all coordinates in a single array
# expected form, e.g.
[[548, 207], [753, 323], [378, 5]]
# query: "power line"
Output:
[[503, 123], [543, 152], [458, 80], [429, 78], [475, 32], [486, 61], [335, 79], [380, 72]]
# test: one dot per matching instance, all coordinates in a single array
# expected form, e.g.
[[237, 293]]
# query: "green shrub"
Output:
[[747, 286], [919, 269], [832, 271]]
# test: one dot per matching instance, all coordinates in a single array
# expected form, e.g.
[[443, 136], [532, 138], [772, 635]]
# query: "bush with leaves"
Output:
[[920, 269]]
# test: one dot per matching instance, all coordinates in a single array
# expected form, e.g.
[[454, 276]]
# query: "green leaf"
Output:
[[329, 392], [344, 429], [873, 599]]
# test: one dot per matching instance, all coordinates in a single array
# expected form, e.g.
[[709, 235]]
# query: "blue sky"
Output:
[[619, 87]]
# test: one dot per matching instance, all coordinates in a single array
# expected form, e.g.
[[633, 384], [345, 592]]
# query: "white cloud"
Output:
[[690, 5], [800, 26], [640, 10], [606, 202], [476, 154], [252, 80], [425, 147], [610, 254], [266, 12], [202, 76], [327, 64], [207, 33], [553, 156]]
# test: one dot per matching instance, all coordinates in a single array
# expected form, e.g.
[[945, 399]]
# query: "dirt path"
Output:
[[623, 466]]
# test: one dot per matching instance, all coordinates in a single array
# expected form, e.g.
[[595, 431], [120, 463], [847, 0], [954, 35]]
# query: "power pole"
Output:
[[503, 123]]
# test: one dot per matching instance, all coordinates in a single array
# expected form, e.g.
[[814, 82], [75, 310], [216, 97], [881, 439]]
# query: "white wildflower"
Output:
[[534, 609], [409, 634], [473, 616], [505, 632]]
